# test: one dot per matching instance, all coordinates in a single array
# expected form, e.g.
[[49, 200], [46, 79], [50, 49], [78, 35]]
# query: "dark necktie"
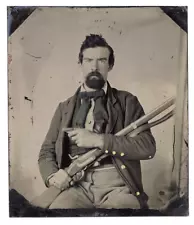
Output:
[[86, 97]]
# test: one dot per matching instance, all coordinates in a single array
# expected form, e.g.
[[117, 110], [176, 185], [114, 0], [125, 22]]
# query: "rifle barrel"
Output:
[[147, 117]]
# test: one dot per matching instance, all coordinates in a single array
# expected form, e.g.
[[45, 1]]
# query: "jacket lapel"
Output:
[[112, 111], [69, 109]]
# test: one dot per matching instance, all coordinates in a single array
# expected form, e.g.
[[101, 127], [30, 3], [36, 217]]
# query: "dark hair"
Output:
[[95, 40]]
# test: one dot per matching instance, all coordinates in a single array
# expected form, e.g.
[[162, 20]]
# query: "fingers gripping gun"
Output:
[[89, 158]]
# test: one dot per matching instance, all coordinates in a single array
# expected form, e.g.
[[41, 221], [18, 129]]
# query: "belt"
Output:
[[104, 161], [101, 167]]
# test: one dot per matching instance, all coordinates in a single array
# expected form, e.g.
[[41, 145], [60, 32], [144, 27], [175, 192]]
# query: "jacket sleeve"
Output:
[[47, 156], [140, 147]]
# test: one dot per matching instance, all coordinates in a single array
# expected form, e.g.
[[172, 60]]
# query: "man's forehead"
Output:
[[96, 52]]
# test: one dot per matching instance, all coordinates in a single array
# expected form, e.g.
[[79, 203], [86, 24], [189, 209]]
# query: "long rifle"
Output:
[[89, 158]]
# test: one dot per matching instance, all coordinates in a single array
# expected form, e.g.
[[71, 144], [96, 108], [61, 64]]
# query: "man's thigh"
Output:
[[120, 198], [71, 198]]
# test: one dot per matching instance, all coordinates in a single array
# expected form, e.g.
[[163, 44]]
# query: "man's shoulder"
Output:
[[127, 99], [63, 104], [122, 94], [66, 101]]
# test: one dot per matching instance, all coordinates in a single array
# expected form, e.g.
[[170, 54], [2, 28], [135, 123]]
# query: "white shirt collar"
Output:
[[104, 88]]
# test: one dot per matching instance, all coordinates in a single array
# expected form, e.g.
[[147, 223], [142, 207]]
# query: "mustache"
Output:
[[95, 73]]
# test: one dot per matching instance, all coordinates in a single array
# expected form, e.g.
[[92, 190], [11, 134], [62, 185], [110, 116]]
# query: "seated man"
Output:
[[96, 112]]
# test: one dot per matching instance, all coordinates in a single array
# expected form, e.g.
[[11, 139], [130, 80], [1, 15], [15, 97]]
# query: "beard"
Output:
[[95, 80]]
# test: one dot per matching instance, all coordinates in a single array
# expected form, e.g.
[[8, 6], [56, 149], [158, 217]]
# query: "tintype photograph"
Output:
[[98, 103]]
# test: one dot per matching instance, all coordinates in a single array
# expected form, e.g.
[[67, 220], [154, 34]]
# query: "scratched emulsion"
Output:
[[44, 71], [184, 176]]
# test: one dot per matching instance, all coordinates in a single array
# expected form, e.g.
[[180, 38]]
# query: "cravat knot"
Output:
[[92, 94]]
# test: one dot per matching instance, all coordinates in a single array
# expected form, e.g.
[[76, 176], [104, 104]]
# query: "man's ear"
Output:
[[110, 68], [79, 64]]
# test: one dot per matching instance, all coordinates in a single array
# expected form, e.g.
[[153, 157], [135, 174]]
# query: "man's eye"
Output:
[[103, 60], [88, 60]]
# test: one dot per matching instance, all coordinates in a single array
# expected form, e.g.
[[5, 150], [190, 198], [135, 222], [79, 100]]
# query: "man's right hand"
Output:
[[60, 180]]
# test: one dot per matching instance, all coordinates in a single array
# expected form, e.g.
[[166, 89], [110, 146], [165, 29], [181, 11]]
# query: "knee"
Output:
[[59, 205], [67, 203]]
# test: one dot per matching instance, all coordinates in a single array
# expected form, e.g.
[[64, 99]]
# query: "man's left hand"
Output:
[[85, 138]]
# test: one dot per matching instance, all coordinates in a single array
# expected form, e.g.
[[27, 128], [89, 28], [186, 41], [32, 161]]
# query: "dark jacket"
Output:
[[123, 109]]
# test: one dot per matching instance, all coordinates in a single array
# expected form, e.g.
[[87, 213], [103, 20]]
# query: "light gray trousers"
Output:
[[101, 187]]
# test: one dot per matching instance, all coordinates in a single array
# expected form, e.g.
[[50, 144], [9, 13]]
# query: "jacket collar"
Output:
[[112, 110], [111, 97]]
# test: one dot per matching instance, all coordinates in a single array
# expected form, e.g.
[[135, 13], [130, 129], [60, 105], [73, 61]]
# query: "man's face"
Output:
[[95, 66]]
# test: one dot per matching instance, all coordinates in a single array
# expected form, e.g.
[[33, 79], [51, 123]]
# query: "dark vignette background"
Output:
[[20, 207]]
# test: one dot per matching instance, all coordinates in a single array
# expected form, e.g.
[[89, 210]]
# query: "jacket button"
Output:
[[122, 154], [106, 151], [113, 152], [137, 193], [123, 167]]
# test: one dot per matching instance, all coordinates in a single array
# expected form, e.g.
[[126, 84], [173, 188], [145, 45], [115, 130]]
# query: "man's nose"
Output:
[[94, 66]]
